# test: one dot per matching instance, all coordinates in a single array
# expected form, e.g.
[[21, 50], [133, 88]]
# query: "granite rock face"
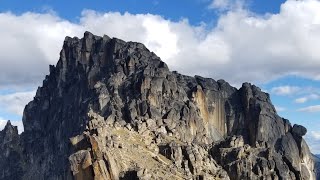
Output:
[[112, 109]]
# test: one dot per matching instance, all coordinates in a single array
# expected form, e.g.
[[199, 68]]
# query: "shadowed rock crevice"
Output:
[[129, 175]]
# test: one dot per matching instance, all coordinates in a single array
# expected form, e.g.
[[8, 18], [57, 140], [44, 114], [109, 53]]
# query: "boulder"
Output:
[[299, 130]]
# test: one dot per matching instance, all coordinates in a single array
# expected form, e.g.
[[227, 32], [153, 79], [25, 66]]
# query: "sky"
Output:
[[273, 44]]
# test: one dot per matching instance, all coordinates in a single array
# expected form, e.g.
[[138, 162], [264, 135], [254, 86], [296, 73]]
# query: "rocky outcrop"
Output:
[[112, 109], [11, 157], [114, 151], [282, 161]]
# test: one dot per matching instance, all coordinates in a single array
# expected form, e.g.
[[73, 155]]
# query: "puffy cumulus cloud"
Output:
[[310, 109], [274, 45], [285, 90], [242, 46], [19, 124], [15, 102], [30, 42]]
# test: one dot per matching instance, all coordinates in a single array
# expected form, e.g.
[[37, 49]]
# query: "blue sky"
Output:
[[195, 10], [270, 43]]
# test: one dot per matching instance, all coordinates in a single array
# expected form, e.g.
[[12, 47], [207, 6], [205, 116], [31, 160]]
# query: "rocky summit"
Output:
[[111, 109]]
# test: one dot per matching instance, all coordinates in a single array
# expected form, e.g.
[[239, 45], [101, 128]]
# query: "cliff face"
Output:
[[112, 110]]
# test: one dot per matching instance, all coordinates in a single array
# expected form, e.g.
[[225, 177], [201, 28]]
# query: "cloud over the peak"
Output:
[[242, 46], [29, 43]]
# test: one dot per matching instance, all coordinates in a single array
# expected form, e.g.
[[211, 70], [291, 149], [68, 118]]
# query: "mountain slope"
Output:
[[112, 110]]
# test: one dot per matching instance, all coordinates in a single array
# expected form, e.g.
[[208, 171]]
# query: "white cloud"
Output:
[[2, 123], [311, 109], [280, 109], [315, 135], [242, 47], [30, 43], [19, 124], [313, 140], [301, 100], [254, 48], [220, 4], [285, 90], [15, 102], [307, 98], [224, 5]]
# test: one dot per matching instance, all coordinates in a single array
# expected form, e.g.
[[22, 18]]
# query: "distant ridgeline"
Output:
[[111, 109]]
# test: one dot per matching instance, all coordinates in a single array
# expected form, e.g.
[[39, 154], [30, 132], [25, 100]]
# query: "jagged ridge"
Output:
[[104, 89]]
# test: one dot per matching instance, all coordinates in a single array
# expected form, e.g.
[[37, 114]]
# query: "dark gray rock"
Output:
[[289, 150], [299, 130], [317, 165], [11, 153]]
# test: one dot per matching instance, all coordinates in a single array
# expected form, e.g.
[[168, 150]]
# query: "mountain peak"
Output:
[[112, 109], [10, 130]]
